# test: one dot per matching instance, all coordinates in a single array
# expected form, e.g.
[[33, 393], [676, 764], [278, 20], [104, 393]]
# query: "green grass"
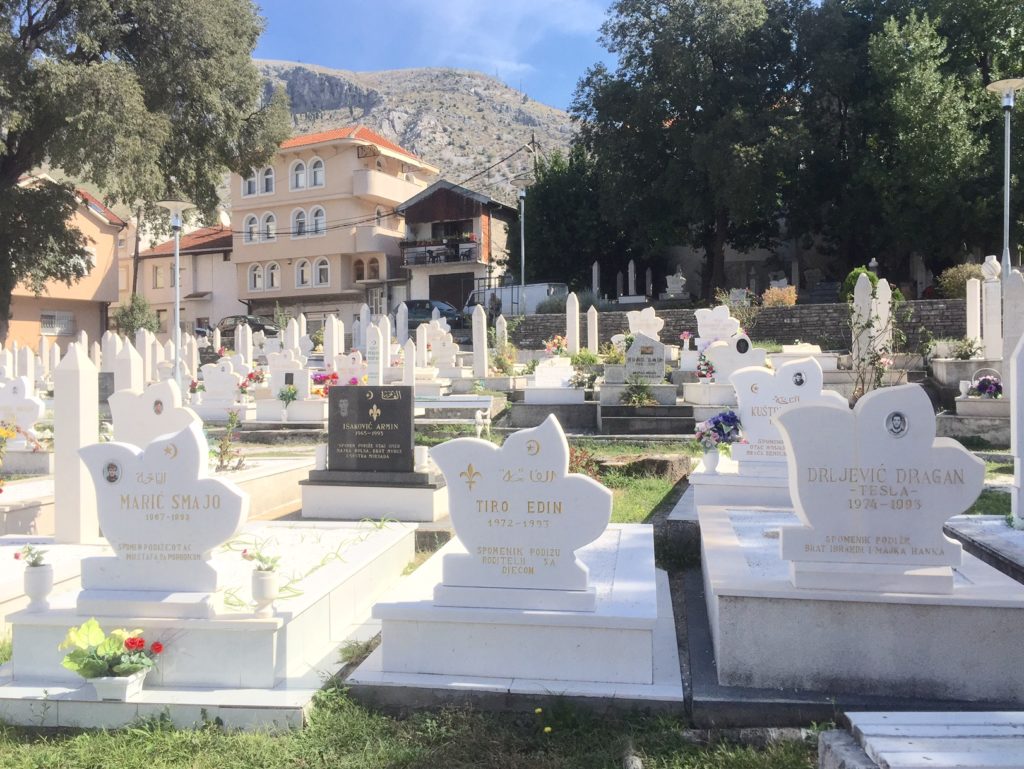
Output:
[[5, 649], [768, 344], [344, 735], [604, 449], [998, 469], [634, 497], [991, 502]]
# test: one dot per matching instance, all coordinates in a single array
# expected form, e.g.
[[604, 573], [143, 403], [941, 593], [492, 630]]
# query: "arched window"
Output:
[[269, 227], [299, 224], [380, 164], [302, 276], [298, 175], [268, 180], [322, 274], [373, 267], [249, 185], [379, 215], [318, 222], [251, 229], [256, 277], [358, 270], [273, 278], [316, 173]]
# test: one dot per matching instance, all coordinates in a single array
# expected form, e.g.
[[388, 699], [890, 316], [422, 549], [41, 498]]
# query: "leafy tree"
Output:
[[692, 132], [143, 98], [137, 314], [565, 231]]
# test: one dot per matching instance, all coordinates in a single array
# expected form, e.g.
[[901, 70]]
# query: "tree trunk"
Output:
[[716, 254], [7, 285], [135, 258]]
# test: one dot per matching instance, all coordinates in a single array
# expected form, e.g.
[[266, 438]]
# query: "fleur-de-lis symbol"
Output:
[[375, 413], [471, 475]]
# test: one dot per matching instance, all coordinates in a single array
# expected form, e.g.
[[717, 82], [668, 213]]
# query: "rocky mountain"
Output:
[[458, 120]]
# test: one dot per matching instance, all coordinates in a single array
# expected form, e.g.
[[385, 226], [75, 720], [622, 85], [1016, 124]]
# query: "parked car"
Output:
[[422, 310], [255, 322], [514, 299]]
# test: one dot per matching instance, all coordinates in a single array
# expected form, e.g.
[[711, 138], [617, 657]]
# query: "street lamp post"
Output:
[[1006, 90], [176, 209]]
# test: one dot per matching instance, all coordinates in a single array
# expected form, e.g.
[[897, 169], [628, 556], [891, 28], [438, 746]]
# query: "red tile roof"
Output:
[[97, 205], [207, 239], [359, 132]]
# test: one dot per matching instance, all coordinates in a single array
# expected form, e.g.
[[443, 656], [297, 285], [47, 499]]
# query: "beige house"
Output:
[[316, 231], [60, 312], [456, 241]]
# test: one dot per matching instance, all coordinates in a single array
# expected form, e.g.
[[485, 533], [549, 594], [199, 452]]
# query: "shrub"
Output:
[[612, 354], [779, 297], [851, 282], [552, 305], [965, 349], [953, 280], [584, 359], [504, 360], [583, 462], [137, 314], [638, 393]]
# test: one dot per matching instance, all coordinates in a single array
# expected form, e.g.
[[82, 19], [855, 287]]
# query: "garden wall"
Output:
[[827, 325]]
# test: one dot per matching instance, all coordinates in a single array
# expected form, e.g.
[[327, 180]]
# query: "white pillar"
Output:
[[1013, 324], [631, 277], [128, 369], [76, 424], [992, 321], [595, 278], [334, 339], [44, 358], [501, 332], [302, 324], [365, 319], [421, 345], [409, 366], [593, 338], [110, 346], [95, 355], [572, 323], [53, 357], [27, 367], [384, 326], [479, 342], [217, 343], [974, 309], [1016, 395], [402, 323], [374, 355]]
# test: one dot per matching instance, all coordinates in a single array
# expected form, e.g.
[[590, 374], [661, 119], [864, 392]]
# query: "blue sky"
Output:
[[544, 45]]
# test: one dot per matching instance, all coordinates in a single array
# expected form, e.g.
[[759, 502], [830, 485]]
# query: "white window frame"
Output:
[[315, 230], [293, 171], [321, 262], [246, 180], [311, 172], [272, 277], [157, 277], [251, 229], [57, 323], [296, 226], [268, 234], [303, 265], [376, 266], [356, 277], [255, 277], [263, 181]]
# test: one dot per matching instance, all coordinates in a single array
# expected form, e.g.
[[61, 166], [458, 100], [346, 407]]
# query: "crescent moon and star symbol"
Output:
[[171, 451], [754, 388], [533, 448]]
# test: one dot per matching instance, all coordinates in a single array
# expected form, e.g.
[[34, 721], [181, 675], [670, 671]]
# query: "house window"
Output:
[[158, 277], [298, 175], [358, 270], [202, 323], [256, 278], [316, 173], [249, 185], [374, 269], [251, 229], [302, 274], [273, 276], [323, 272], [375, 299], [56, 323], [269, 227], [319, 221], [454, 229], [268, 181], [161, 317], [299, 224]]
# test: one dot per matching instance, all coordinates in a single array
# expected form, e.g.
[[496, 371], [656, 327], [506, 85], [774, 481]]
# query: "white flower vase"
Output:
[[711, 462], [284, 413], [38, 585], [118, 688], [264, 592], [965, 387]]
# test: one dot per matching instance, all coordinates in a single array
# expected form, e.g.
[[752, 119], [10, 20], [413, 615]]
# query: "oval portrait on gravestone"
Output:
[[896, 424], [112, 472], [742, 346], [158, 407], [798, 379]]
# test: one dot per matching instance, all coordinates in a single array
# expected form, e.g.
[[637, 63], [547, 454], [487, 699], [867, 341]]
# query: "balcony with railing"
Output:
[[382, 188], [448, 251]]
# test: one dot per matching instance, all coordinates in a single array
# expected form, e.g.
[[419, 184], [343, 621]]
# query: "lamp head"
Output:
[[1006, 89]]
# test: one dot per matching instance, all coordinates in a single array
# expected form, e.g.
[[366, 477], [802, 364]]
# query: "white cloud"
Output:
[[493, 36]]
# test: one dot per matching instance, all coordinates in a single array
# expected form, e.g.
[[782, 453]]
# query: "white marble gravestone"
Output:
[[729, 355], [992, 308], [715, 324], [27, 367], [20, 407], [1013, 326], [402, 324], [221, 382], [593, 339], [480, 367], [974, 309], [334, 340], [645, 360], [645, 321], [553, 372], [873, 487], [351, 366], [365, 319], [282, 364], [163, 516], [595, 278], [139, 418], [217, 342], [631, 277], [409, 364], [76, 424], [521, 517], [572, 323], [244, 342], [761, 394], [291, 336], [422, 342], [1015, 367], [374, 356], [110, 347], [501, 332]]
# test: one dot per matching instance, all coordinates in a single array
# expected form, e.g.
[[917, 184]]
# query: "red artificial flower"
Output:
[[132, 644], [157, 647], [17, 555]]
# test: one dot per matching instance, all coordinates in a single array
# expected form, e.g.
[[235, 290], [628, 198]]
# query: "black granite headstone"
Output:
[[370, 429], [106, 385]]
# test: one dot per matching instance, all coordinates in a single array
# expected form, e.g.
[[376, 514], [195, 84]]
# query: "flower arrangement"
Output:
[[196, 387], [7, 432], [721, 429], [263, 561], [988, 386], [222, 351], [324, 382], [288, 394], [95, 654], [557, 345], [249, 382], [704, 368], [31, 555], [354, 380]]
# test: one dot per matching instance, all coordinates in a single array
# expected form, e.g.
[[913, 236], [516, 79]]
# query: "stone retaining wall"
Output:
[[827, 325]]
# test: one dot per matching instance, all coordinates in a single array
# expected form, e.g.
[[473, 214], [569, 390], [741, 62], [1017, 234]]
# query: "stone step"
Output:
[[647, 426], [660, 412]]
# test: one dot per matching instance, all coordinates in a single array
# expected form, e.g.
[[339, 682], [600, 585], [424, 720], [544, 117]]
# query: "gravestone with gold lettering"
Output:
[[873, 487], [521, 517], [163, 516], [371, 469]]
